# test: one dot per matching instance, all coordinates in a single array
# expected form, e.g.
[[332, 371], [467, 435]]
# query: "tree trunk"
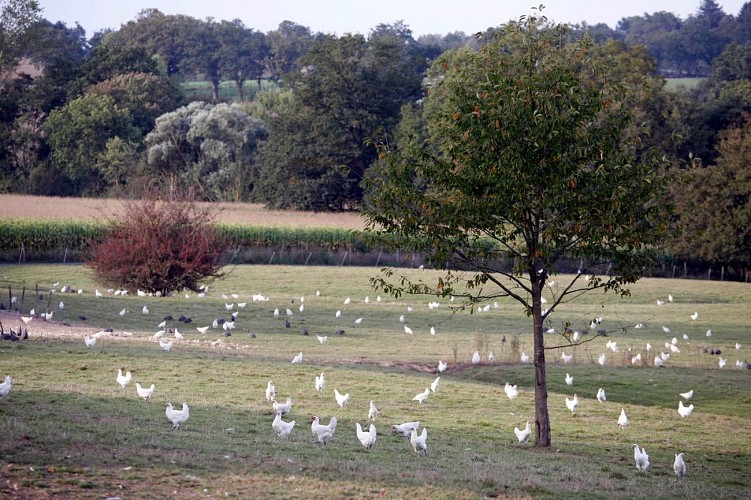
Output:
[[240, 94], [215, 90], [542, 417]]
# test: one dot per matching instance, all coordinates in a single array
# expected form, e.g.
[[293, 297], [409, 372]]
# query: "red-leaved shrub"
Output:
[[158, 247]]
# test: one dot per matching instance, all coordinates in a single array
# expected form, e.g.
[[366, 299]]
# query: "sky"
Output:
[[360, 16]]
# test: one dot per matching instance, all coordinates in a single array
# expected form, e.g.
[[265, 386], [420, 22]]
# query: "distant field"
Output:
[[675, 84], [227, 89], [41, 207]]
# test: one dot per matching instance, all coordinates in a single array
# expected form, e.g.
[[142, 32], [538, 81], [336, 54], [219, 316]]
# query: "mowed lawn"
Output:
[[67, 428]]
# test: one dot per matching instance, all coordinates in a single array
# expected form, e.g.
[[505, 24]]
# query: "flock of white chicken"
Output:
[[324, 433], [641, 458]]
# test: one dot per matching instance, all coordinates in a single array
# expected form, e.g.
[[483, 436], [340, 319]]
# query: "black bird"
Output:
[[82, 317], [304, 331], [286, 323], [168, 318]]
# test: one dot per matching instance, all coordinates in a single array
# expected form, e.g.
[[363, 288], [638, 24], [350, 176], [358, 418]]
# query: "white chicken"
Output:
[[405, 429], [679, 465], [422, 396], [323, 433], [270, 391], [601, 395], [476, 358], [511, 391], [685, 411], [165, 344], [687, 395], [571, 404], [282, 408], [659, 361], [567, 358], [491, 357], [569, 380], [722, 362], [145, 310], [739, 364], [283, 429], [202, 329], [320, 383], [297, 359], [367, 439], [123, 380], [636, 359], [524, 358], [442, 365], [640, 458], [407, 330], [144, 393], [372, 411], [695, 316], [89, 341], [5, 387], [523, 435], [622, 419], [434, 384], [602, 359], [419, 443], [322, 338], [177, 417], [341, 399]]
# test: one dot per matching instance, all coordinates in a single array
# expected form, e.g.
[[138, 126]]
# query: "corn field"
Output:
[[34, 236]]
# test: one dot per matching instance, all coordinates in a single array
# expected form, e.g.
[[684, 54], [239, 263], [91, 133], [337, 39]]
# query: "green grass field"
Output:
[[67, 428], [675, 84]]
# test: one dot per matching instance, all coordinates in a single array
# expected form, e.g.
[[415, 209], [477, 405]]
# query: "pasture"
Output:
[[67, 427]]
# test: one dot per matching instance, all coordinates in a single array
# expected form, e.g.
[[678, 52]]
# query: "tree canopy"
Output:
[[531, 158]]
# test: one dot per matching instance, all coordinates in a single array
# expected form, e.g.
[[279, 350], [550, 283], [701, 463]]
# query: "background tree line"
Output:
[[108, 116]]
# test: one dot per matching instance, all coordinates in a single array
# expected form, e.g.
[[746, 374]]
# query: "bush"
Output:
[[158, 247]]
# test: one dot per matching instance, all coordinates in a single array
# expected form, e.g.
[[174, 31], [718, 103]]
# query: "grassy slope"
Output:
[[68, 420]]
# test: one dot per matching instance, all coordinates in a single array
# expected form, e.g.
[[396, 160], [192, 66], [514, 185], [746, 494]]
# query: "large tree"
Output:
[[243, 53], [714, 205], [348, 90], [531, 159], [78, 135], [206, 148]]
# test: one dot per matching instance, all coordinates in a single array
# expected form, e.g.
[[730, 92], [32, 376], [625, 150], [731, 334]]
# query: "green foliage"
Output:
[[207, 147], [16, 17], [713, 205], [78, 135], [146, 96], [110, 58], [349, 93]]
